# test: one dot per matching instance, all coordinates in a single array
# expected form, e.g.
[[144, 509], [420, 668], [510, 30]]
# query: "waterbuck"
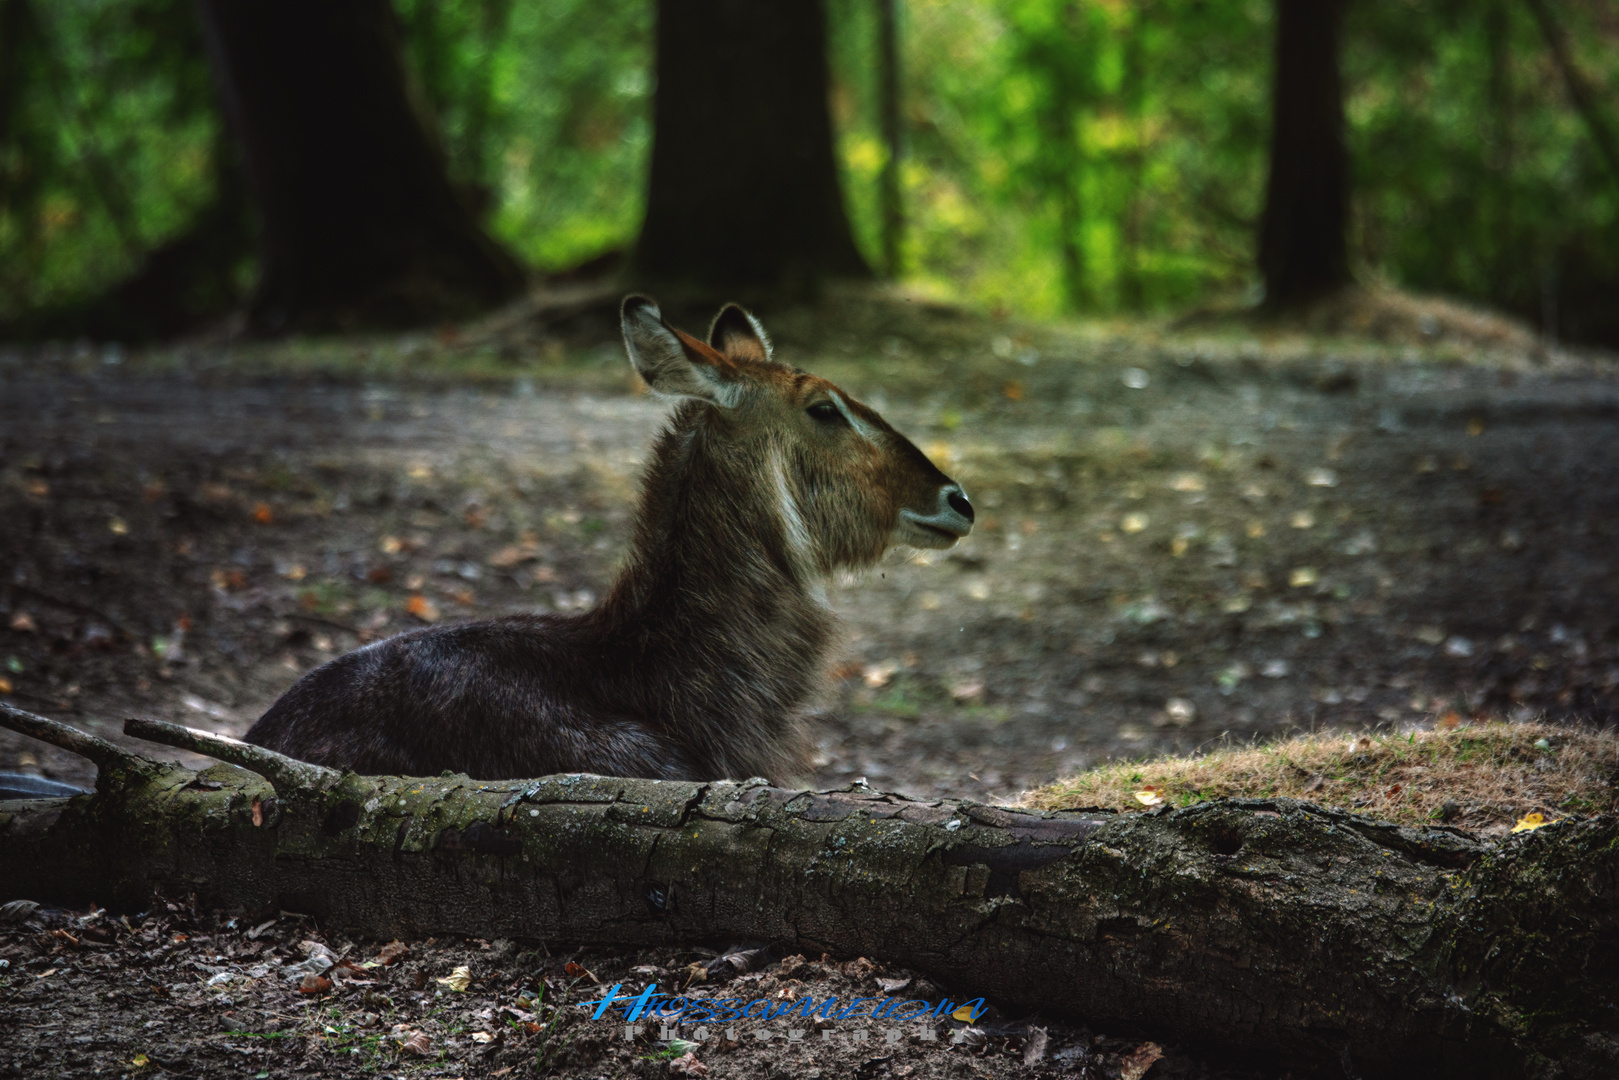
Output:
[[700, 661]]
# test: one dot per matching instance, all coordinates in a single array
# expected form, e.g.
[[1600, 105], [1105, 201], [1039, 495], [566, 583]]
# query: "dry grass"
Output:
[[1482, 777]]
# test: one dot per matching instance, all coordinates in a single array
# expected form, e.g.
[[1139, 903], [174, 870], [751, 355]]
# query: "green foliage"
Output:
[[546, 113], [109, 144], [1062, 155]]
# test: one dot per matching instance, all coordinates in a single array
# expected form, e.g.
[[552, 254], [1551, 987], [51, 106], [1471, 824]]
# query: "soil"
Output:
[[176, 993], [1184, 540], [1181, 540]]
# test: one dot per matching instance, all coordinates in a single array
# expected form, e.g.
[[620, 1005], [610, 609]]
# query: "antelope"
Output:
[[701, 661]]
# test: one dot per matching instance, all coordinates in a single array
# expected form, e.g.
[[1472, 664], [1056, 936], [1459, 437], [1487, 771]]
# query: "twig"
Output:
[[67, 737], [288, 775], [320, 620]]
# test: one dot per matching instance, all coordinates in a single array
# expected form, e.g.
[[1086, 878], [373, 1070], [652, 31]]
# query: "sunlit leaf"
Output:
[[1531, 822], [457, 980], [1133, 522]]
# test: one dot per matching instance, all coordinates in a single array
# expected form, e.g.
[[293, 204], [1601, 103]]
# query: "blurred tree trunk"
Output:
[[1303, 242], [744, 189], [889, 115], [360, 226]]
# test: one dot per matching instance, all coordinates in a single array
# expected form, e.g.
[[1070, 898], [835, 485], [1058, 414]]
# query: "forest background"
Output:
[[1104, 157]]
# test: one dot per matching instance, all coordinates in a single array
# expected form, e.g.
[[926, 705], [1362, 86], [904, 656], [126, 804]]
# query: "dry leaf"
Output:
[[482, 1037], [1138, 1061], [457, 980], [1531, 822], [1036, 1049], [392, 953], [263, 514], [1149, 796], [140, 1061], [419, 1044], [509, 556], [314, 984], [688, 1065], [422, 608], [1133, 523]]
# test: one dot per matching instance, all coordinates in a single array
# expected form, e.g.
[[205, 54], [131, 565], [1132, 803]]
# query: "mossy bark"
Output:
[[1278, 930]]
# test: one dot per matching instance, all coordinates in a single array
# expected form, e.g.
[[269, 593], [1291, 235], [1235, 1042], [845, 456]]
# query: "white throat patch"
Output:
[[799, 546]]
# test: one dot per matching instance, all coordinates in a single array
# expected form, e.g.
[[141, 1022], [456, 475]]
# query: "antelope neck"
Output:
[[716, 586]]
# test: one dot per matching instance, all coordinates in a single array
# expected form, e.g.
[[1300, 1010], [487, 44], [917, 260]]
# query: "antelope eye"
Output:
[[824, 412]]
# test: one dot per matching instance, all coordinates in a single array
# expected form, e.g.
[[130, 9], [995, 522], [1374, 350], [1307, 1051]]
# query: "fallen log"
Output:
[[1293, 935]]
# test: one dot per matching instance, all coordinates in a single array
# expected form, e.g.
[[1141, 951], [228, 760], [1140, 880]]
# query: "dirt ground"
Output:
[[176, 993], [1185, 539]]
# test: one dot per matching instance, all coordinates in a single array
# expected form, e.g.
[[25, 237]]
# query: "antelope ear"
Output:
[[674, 363], [738, 335]]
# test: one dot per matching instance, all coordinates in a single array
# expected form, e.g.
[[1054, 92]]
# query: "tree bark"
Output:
[[360, 225], [1288, 933], [744, 188], [1303, 242]]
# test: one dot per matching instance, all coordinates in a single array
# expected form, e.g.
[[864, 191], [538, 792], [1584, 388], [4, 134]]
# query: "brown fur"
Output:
[[700, 660]]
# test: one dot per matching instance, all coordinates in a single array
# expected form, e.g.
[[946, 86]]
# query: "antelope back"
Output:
[[840, 485]]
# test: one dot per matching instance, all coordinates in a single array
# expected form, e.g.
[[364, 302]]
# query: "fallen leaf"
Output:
[[262, 513], [1013, 390], [1133, 523], [118, 526], [1138, 1061], [688, 1065], [457, 980], [482, 1037], [1303, 575], [881, 673], [314, 984], [1304, 519], [392, 953], [24, 622], [140, 1061], [964, 1014], [419, 1044], [1322, 478], [420, 607], [1187, 482], [1036, 1048], [509, 556], [1149, 796], [1531, 822], [1449, 722]]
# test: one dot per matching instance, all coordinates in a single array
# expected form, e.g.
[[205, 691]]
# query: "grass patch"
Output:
[[1481, 776]]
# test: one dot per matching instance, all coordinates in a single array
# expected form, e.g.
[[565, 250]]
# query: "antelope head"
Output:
[[843, 485]]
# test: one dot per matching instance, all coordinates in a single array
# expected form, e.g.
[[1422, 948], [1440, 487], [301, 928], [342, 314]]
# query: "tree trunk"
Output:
[[744, 189], [1303, 242], [360, 226], [1290, 934]]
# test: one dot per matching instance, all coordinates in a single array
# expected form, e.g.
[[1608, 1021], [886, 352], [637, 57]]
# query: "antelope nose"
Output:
[[957, 500]]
